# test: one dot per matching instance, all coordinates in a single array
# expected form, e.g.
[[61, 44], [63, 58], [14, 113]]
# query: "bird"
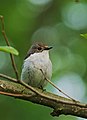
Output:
[[37, 66]]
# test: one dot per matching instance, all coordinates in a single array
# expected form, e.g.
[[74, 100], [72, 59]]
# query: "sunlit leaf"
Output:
[[9, 49], [84, 35]]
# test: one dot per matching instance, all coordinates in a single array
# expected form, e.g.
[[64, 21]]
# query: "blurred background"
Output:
[[57, 23]]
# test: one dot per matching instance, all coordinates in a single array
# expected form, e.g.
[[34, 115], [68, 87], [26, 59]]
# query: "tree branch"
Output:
[[7, 42], [60, 104]]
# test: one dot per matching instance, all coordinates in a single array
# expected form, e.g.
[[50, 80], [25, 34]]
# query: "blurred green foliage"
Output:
[[84, 35], [56, 23]]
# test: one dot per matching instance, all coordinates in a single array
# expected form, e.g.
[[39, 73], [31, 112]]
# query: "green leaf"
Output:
[[9, 49], [84, 35]]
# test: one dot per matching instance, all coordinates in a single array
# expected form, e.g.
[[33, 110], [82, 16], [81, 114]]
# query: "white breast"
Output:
[[31, 72]]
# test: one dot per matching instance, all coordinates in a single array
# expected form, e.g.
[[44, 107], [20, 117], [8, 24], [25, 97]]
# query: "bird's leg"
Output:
[[42, 88]]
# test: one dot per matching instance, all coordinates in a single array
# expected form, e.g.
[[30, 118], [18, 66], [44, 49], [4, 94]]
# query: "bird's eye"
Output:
[[39, 48]]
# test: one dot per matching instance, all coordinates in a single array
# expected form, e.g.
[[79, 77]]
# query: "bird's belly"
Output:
[[35, 72]]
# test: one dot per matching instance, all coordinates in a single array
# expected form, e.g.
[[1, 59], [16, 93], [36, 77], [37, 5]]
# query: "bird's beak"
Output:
[[48, 48]]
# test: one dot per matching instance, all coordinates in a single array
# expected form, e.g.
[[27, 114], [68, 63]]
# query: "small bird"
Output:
[[37, 66]]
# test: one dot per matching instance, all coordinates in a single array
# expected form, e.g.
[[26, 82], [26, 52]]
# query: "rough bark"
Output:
[[59, 104]]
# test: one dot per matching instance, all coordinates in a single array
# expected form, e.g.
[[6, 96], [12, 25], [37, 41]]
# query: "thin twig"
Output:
[[14, 94], [56, 86], [10, 94], [7, 42], [8, 78], [60, 90], [30, 87]]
